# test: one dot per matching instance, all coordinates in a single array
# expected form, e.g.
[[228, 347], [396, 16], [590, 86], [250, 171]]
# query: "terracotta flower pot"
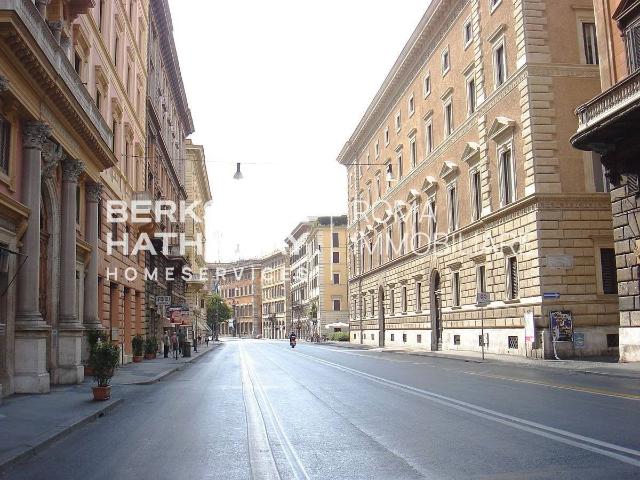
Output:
[[149, 356], [101, 393], [137, 359]]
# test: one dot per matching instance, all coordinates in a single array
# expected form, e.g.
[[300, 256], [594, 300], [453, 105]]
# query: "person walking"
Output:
[[174, 344], [182, 338], [166, 342], [195, 343], [206, 340]]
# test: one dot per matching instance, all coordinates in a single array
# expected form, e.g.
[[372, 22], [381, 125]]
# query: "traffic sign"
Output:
[[163, 300], [483, 297], [551, 295]]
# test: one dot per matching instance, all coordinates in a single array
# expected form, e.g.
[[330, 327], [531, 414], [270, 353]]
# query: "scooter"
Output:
[[292, 343]]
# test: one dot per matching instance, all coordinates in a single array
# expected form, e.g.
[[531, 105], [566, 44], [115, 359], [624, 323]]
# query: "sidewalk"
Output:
[[36, 421], [596, 366]]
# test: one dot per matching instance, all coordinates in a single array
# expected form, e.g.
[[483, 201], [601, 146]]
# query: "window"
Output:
[[393, 337], [129, 79], [398, 121], [370, 254], [400, 166], [446, 61], [426, 85], [456, 339], [100, 14], [455, 287], [476, 195], [481, 279], [336, 257], [419, 338], [448, 118], [416, 226], [471, 95], [369, 194], [98, 100], [335, 238], [379, 247], [428, 136], [613, 340], [512, 342], [5, 137], [404, 299], [418, 297], [590, 43], [493, 4], [404, 337], [115, 50], [386, 136], [77, 63], [336, 305], [402, 237], [507, 184], [392, 302], [78, 204], [114, 129], [453, 207], [413, 151], [411, 105], [390, 243], [377, 149], [631, 29], [433, 225], [336, 278], [608, 270], [499, 65], [378, 186], [512, 278], [467, 33], [600, 180]]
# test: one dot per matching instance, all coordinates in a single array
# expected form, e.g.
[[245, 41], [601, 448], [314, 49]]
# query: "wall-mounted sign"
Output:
[[561, 326], [163, 300], [560, 261], [578, 340], [551, 295]]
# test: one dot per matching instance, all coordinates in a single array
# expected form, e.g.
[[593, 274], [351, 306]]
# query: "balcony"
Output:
[[608, 125], [147, 221], [174, 254], [196, 282]]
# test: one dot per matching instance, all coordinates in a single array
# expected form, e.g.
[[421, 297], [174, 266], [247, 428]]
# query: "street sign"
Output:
[[551, 295], [483, 297], [578, 340], [163, 300]]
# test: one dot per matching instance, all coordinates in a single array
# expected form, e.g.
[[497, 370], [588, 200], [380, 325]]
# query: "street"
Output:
[[258, 409]]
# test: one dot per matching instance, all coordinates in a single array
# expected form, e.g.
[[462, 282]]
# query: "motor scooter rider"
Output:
[[292, 338]]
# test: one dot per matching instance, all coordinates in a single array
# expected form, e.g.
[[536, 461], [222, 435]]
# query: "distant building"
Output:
[[609, 129], [275, 295]]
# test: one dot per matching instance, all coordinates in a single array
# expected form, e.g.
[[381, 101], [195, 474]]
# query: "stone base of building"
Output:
[[31, 374], [70, 369], [630, 344]]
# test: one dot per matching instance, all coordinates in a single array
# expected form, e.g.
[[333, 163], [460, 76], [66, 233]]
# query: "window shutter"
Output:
[[609, 275]]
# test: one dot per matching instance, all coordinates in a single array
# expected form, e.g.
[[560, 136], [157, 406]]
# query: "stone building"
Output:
[[54, 144], [239, 284], [462, 180], [609, 127], [275, 295], [199, 193], [168, 124], [318, 272]]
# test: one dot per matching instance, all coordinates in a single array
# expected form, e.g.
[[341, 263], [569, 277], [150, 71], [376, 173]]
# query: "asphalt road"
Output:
[[257, 409]]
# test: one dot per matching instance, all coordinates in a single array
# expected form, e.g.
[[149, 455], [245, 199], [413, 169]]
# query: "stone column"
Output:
[[70, 369], [91, 294], [31, 374]]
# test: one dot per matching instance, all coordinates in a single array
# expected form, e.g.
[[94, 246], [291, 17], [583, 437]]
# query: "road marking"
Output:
[[262, 398], [623, 454], [263, 465], [575, 388]]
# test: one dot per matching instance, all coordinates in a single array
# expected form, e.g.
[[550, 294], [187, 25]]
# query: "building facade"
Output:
[[296, 245], [275, 295], [169, 122], [55, 143], [198, 193], [608, 127], [462, 180], [239, 284]]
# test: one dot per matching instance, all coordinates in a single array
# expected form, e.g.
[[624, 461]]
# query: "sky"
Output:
[[280, 86]]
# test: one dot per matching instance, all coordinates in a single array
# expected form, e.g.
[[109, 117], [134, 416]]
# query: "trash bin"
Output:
[[187, 349]]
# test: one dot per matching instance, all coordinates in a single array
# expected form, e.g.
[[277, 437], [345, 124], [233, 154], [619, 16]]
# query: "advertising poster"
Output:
[[561, 325], [529, 328]]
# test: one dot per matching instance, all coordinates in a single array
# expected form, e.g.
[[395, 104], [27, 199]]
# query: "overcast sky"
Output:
[[279, 86]]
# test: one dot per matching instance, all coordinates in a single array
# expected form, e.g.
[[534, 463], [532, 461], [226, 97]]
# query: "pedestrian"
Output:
[[174, 344], [195, 343], [166, 342], [206, 340], [182, 338]]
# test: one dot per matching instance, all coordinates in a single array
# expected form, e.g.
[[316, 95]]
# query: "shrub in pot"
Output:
[[104, 361], [93, 337], [150, 348], [137, 345]]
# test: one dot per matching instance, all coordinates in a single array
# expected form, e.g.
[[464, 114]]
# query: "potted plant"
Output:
[[103, 361], [93, 337], [137, 344], [150, 348]]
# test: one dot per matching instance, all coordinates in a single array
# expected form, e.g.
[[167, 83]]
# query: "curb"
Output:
[[35, 449], [178, 368], [498, 362]]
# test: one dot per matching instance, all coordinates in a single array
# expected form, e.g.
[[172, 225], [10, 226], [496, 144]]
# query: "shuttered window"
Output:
[[608, 267], [456, 289], [5, 134], [512, 278]]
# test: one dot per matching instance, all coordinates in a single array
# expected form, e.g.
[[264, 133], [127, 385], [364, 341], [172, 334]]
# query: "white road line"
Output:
[[293, 459], [263, 465], [586, 443]]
